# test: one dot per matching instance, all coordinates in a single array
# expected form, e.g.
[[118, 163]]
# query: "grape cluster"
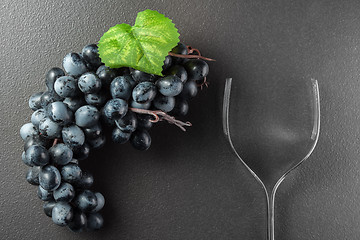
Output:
[[69, 118]]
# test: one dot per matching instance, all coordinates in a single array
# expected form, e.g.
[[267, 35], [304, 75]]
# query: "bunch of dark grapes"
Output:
[[69, 118]]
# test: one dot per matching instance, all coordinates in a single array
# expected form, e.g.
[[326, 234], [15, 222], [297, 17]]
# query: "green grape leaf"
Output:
[[143, 46]]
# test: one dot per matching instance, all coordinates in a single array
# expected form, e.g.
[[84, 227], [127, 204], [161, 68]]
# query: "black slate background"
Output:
[[189, 185]]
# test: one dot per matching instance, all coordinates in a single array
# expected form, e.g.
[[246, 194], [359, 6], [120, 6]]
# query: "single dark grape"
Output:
[[49, 97], [49, 178], [128, 123], [121, 87], [73, 136], [44, 195], [97, 99], [51, 77], [87, 116], [66, 86], [119, 136], [89, 83], [74, 103], [167, 62], [86, 181], [140, 139], [100, 202], [196, 69], [144, 92], [106, 75], [32, 175], [179, 49], [93, 131], [61, 154], [82, 152], [140, 76], [115, 108], [35, 101], [90, 54], [94, 221], [50, 129], [48, 206], [79, 222], [189, 90], [71, 173], [169, 86], [38, 116], [62, 213], [179, 71], [64, 193], [74, 64], [86, 201], [37, 155], [28, 130], [60, 113], [164, 103], [181, 107]]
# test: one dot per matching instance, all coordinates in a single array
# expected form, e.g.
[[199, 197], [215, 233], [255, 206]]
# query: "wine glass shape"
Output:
[[274, 133]]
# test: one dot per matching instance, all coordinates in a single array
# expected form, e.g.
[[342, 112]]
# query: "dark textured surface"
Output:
[[188, 185]]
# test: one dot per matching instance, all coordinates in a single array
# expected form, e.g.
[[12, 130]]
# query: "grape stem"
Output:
[[55, 141], [190, 56], [161, 116], [203, 83]]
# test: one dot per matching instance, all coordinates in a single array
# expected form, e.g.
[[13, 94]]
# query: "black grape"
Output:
[[115, 108], [74, 64], [32, 175], [140, 76], [90, 54], [37, 155], [79, 221], [86, 201], [28, 130], [94, 221], [121, 87], [144, 92], [106, 75], [87, 116], [61, 154], [60, 113], [51, 77], [64, 193], [189, 90], [62, 213], [82, 152], [35, 101], [141, 140], [74, 103], [196, 69], [128, 123], [49, 97], [169, 86], [71, 173], [164, 103], [89, 83], [49, 178], [119, 136], [48, 206], [181, 107], [73, 136], [179, 71]]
